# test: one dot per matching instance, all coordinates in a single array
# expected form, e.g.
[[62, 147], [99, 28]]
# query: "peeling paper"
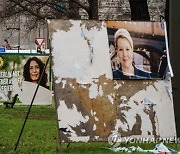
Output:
[[69, 118], [26, 93], [110, 97], [74, 61], [123, 98], [168, 88], [79, 138], [95, 80], [133, 111], [96, 119], [83, 130], [148, 102], [117, 86], [120, 124], [83, 86], [169, 91], [94, 127], [64, 83], [77, 62], [96, 137], [71, 86], [100, 91], [58, 81], [92, 112], [138, 109], [93, 91]]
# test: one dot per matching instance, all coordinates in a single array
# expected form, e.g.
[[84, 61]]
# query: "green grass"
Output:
[[40, 132], [40, 135]]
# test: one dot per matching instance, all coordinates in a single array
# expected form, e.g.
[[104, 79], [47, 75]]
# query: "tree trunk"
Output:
[[167, 15], [139, 10], [73, 12], [93, 9], [167, 11]]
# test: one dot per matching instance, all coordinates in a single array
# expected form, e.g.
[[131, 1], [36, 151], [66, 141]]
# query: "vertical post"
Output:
[[30, 42], [39, 30], [174, 36], [16, 145], [19, 34]]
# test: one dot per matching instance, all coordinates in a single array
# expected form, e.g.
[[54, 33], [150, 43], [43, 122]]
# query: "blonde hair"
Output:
[[124, 34]]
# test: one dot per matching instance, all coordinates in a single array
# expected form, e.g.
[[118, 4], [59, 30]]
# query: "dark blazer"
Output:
[[138, 74]]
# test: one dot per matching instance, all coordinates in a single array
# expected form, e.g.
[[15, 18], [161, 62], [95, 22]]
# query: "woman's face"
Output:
[[124, 52], [34, 71]]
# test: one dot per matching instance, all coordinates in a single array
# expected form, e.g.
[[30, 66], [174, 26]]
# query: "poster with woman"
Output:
[[20, 75], [138, 50]]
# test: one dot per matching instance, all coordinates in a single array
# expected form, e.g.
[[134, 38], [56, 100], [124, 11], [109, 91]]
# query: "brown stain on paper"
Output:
[[101, 112]]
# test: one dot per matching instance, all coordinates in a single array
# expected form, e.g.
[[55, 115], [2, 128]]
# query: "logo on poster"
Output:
[[1, 62], [114, 139]]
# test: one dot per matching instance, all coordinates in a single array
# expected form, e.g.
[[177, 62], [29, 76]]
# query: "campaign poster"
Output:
[[138, 50], [20, 73]]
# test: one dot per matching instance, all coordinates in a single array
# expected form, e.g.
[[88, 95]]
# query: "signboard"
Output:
[[19, 74], [91, 104], [39, 41], [2, 49]]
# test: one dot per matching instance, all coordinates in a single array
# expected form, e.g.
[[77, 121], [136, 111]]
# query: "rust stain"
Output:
[[57, 24], [152, 115], [64, 25], [99, 107], [130, 88], [136, 130], [91, 24], [102, 113], [74, 96]]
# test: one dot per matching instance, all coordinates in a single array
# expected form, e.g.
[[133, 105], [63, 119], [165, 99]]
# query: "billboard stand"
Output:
[[31, 104], [18, 48], [108, 84]]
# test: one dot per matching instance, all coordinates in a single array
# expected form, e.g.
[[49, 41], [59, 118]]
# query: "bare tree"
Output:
[[48, 9], [90, 6], [36, 11], [93, 9], [167, 14]]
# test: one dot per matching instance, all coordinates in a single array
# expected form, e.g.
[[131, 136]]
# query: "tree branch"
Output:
[[26, 9], [81, 5]]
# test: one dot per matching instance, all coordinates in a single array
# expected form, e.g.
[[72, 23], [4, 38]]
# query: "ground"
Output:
[[40, 133]]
